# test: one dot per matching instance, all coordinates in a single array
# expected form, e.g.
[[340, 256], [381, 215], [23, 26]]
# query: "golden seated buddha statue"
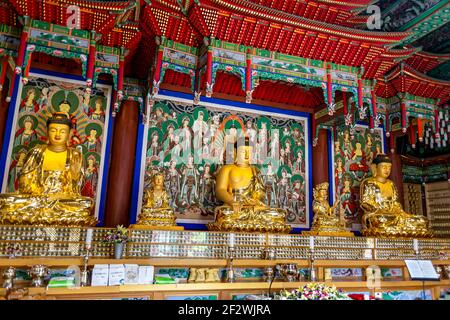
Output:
[[156, 210], [325, 222], [383, 214], [49, 184], [241, 189]]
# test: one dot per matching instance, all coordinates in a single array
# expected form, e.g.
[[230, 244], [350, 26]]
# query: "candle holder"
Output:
[[312, 271], [85, 273], [8, 278], [230, 270], [37, 273]]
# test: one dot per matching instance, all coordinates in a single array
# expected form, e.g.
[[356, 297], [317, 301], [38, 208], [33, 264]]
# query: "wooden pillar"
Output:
[[123, 151], [320, 159], [396, 174]]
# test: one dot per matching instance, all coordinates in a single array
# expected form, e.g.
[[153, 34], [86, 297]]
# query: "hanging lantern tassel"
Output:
[[420, 129], [3, 73], [392, 143], [388, 127], [403, 112], [91, 61], [314, 129], [436, 121], [11, 88], [412, 136], [27, 69]]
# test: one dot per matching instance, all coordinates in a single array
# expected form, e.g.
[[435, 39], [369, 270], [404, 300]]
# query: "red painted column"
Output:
[[374, 109], [248, 77], [22, 47], [91, 60], [157, 75], [120, 76], [436, 124], [209, 59], [403, 114], [3, 73], [360, 93], [412, 136], [27, 69], [329, 91], [420, 129], [123, 150], [320, 159]]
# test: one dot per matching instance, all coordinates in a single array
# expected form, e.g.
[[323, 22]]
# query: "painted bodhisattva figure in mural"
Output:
[[49, 184], [189, 186], [29, 103], [27, 133]]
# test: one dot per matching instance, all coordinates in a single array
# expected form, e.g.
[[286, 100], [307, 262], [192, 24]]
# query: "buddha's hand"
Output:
[[76, 166], [368, 207]]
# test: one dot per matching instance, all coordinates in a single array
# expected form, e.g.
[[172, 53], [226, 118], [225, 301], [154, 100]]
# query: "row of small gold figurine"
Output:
[[203, 275]]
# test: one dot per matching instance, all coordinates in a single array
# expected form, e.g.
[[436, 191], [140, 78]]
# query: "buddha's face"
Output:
[[58, 134], [384, 170], [93, 133], [358, 146], [323, 194], [158, 112], [243, 155], [31, 94], [347, 183], [91, 162], [158, 180]]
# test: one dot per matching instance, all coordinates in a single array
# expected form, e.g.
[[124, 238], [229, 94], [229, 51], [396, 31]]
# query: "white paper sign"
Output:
[[116, 274], [100, 275]]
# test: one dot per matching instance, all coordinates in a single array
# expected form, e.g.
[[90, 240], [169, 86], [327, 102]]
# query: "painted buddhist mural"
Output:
[[38, 100], [352, 158], [191, 143]]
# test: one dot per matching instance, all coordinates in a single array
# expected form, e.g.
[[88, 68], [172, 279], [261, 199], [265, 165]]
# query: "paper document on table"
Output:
[[421, 270]]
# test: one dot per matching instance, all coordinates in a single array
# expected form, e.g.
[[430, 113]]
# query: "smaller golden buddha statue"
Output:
[[49, 184], [383, 214], [156, 210], [325, 222], [242, 190]]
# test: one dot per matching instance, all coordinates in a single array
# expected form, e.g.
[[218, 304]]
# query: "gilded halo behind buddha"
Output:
[[49, 184], [240, 187], [383, 214]]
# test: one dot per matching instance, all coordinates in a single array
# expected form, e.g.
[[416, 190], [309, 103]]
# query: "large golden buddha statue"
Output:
[[156, 210], [49, 184], [383, 214], [326, 222], [241, 188]]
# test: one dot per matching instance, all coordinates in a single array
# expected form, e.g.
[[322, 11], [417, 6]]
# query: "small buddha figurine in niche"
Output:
[[383, 214], [49, 184], [156, 210], [242, 190], [325, 221]]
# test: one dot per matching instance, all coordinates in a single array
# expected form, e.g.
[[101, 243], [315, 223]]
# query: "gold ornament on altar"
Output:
[[383, 214], [241, 189], [325, 222], [49, 184], [156, 210]]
